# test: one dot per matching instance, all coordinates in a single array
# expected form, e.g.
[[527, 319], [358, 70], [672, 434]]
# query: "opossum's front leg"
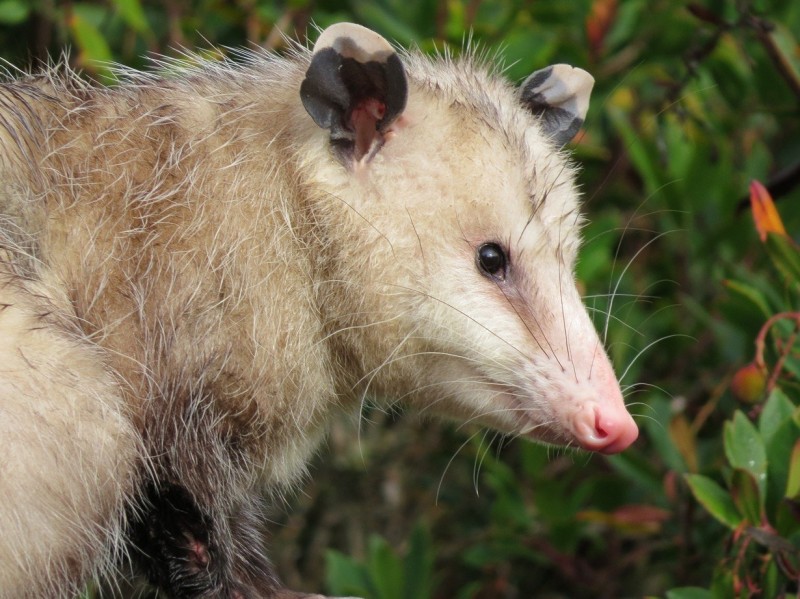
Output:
[[68, 453], [194, 552]]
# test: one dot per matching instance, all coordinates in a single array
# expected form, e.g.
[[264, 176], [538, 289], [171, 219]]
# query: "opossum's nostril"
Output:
[[607, 429]]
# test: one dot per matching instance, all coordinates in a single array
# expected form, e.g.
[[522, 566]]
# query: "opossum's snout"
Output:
[[606, 430], [579, 397], [585, 411], [602, 423], [558, 383]]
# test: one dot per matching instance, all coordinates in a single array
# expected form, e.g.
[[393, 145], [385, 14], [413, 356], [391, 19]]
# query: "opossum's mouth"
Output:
[[582, 423], [519, 418]]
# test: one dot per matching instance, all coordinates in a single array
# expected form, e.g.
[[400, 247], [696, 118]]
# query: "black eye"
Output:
[[492, 260]]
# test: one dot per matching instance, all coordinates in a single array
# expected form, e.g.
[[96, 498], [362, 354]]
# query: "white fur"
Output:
[[184, 257]]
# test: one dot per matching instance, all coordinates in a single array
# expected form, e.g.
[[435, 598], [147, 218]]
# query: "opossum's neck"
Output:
[[364, 318]]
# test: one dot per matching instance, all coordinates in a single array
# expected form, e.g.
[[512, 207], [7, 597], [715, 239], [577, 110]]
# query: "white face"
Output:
[[483, 259], [463, 222]]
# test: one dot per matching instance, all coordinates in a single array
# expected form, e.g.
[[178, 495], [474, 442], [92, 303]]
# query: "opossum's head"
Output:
[[461, 232]]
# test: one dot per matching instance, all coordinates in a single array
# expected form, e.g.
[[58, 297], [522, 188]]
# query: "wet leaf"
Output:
[[784, 255], [744, 448], [716, 500], [746, 496]]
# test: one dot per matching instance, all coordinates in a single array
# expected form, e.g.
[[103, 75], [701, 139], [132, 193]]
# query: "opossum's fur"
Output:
[[190, 284]]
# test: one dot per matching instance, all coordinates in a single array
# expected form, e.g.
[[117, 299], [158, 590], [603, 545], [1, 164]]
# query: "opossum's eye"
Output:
[[492, 260]]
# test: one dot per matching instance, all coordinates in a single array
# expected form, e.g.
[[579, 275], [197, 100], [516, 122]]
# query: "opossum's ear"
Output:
[[559, 94], [355, 87]]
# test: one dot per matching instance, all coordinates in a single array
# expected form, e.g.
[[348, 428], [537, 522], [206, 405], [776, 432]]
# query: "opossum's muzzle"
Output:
[[600, 421], [605, 430], [587, 411]]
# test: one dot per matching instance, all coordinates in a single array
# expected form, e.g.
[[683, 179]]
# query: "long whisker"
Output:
[[647, 347], [479, 457], [441, 301], [525, 324], [450, 462], [624, 270]]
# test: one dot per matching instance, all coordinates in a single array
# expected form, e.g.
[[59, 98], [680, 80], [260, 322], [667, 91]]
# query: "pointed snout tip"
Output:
[[609, 433]]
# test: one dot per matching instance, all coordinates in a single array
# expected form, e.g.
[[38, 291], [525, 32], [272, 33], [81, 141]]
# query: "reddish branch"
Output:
[[783, 349]]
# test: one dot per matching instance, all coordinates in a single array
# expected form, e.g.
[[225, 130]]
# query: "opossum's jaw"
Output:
[[579, 405]]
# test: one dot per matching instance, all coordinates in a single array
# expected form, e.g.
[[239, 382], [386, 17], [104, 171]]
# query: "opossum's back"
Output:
[[166, 213]]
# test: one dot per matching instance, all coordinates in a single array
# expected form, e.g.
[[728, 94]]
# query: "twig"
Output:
[[763, 30], [761, 343]]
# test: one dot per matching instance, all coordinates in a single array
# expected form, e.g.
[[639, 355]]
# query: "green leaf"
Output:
[[13, 12], [751, 294], [689, 593], [793, 481], [343, 576], [772, 581], [716, 500], [786, 46], [722, 582], [418, 565], [379, 18], [745, 449], [93, 45], [635, 146], [658, 431], [132, 13], [785, 256], [385, 569], [777, 409], [746, 496], [779, 432], [640, 471]]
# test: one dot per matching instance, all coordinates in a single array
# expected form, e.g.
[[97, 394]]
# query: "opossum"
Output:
[[201, 265]]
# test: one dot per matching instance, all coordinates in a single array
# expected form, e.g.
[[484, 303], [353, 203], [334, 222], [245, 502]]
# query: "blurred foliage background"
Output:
[[693, 101]]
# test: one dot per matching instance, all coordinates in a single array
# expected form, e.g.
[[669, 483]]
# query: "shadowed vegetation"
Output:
[[697, 299]]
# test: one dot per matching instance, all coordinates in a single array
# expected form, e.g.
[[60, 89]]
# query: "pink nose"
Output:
[[606, 429]]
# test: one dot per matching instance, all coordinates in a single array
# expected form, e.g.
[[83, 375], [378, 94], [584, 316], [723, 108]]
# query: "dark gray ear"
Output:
[[559, 94], [355, 87]]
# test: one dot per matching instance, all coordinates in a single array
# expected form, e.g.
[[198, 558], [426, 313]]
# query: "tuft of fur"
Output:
[[190, 284]]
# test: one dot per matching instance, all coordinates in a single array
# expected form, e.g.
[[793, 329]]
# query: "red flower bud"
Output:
[[748, 383]]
